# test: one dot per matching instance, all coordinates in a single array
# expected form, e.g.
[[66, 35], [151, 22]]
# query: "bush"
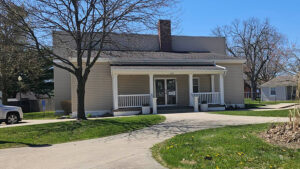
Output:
[[66, 105]]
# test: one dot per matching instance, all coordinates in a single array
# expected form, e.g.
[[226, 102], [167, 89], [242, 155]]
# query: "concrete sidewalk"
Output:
[[280, 106], [128, 150], [34, 122]]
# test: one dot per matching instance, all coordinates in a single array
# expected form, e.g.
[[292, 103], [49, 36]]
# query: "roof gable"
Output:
[[281, 81]]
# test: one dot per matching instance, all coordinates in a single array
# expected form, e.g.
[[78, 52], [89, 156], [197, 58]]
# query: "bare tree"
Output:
[[88, 23], [298, 87], [292, 65], [260, 44]]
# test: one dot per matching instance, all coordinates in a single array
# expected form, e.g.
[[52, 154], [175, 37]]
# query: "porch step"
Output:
[[175, 109], [127, 111], [216, 107]]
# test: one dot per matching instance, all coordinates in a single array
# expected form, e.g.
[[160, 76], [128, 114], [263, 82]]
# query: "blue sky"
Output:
[[199, 17]]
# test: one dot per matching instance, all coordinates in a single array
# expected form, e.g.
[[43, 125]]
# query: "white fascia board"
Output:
[[154, 70], [240, 61], [74, 60]]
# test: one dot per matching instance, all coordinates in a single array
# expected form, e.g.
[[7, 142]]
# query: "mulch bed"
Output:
[[283, 135]]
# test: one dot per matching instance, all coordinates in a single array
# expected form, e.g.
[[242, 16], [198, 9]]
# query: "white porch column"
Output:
[[151, 89], [222, 88], [212, 82], [115, 91], [154, 106], [196, 104], [191, 89]]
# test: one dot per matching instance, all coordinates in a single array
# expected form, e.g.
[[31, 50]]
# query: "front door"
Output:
[[165, 91]]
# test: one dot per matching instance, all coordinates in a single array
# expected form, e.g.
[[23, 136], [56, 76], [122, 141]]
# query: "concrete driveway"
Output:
[[129, 150]]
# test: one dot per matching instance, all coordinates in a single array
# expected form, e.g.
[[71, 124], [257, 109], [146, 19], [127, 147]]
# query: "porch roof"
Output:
[[163, 63], [170, 69]]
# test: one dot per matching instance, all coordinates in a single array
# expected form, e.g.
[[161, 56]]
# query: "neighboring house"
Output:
[[173, 69], [279, 88]]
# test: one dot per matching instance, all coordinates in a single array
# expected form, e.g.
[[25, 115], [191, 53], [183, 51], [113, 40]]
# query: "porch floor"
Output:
[[170, 109]]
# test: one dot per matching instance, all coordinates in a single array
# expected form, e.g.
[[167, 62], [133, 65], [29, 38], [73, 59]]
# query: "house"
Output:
[[171, 69], [279, 88]]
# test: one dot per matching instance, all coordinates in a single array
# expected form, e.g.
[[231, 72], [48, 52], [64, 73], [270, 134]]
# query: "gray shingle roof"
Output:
[[137, 55], [141, 56], [281, 81]]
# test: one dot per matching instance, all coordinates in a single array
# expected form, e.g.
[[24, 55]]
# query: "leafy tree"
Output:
[[17, 60], [9, 33], [43, 84], [89, 24]]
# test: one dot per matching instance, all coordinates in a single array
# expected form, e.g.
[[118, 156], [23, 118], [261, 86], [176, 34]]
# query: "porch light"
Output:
[[20, 78]]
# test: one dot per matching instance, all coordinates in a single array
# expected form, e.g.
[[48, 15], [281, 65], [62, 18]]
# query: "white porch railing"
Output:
[[209, 97], [134, 100]]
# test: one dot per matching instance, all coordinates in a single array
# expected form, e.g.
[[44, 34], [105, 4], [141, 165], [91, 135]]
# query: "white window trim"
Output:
[[198, 78], [270, 89]]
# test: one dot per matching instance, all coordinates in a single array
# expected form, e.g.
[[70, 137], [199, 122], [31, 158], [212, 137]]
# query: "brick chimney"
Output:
[[164, 35]]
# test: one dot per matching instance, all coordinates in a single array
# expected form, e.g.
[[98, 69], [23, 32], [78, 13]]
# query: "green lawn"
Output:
[[228, 147], [53, 133], [268, 113], [40, 115], [249, 103]]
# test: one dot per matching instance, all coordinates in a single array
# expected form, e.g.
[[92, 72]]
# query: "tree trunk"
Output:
[[4, 96], [253, 90], [4, 90], [80, 99]]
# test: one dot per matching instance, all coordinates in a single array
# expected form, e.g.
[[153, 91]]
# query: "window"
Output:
[[273, 91], [196, 85]]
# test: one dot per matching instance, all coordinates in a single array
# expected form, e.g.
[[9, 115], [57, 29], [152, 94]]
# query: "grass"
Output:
[[228, 147], [268, 113], [61, 132], [249, 103], [40, 115]]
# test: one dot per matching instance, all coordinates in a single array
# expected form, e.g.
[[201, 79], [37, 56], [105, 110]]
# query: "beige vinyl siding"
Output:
[[98, 94], [99, 86], [133, 84], [205, 85], [62, 87], [217, 83], [233, 84], [190, 43]]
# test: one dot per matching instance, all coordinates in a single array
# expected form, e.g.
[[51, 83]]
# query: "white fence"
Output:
[[135, 100], [209, 97]]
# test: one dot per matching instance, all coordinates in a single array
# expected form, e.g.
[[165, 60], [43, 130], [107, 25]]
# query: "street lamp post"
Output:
[[20, 79]]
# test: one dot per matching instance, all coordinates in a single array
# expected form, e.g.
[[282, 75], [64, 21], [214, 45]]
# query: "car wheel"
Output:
[[12, 118]]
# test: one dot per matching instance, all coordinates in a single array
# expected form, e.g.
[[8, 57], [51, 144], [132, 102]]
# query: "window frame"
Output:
[[274, 91], [198, 84]]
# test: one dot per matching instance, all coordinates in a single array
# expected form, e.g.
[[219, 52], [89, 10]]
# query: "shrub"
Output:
[[66, 105], [294, 117]]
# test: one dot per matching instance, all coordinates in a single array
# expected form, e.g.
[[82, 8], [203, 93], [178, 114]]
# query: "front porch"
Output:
[[136, 86]]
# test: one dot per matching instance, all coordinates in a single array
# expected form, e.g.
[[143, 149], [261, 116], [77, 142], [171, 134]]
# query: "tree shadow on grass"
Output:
[[22, 143]]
